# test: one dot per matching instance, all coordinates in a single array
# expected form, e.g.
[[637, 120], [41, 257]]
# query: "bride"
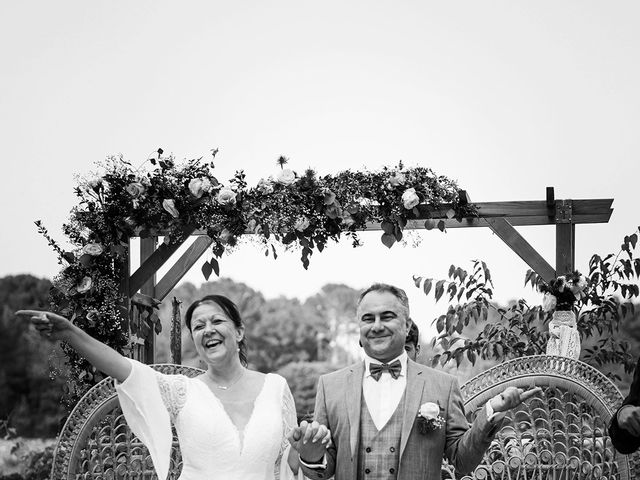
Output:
[[232, 422]]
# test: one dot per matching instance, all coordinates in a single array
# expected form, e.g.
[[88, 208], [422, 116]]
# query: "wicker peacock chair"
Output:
[[561, 435], [96, 443]]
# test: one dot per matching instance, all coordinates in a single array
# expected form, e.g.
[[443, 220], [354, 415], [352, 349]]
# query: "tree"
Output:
[[336, 304], [30, 400], [287, 332], [522, 329], [302, 378]]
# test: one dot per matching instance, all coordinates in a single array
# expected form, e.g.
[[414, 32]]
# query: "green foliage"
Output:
[[174, 199], [30, 399], [287, 332], [302, 378], [521, 329], [38, 464]]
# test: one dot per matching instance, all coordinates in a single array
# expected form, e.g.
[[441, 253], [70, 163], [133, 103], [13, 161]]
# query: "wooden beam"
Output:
[[154, 262], [565, 237], [551, 198], [147, 247], [515, 221], [539, 207], [565, 248], [182, 266], [509, 235]]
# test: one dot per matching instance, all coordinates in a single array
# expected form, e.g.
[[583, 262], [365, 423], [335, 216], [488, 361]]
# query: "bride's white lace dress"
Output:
[[211, 445]]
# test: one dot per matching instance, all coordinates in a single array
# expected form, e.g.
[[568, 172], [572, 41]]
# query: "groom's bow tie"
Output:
[[376, 369]]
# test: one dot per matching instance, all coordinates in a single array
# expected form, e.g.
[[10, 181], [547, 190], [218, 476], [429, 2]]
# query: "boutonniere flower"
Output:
[[429, 418]]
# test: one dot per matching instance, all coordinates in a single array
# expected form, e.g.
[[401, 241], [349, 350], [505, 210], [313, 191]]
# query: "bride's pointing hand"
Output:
[[49, 325]]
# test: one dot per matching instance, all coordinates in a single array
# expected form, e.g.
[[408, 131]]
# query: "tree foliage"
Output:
[[302, 378], [30, 400], [522, 329]]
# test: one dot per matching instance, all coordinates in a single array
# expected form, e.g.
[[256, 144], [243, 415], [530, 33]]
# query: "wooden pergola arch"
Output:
[[143, 289]]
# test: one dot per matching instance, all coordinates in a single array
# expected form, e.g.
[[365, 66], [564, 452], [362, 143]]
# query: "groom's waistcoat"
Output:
[[379, 450]]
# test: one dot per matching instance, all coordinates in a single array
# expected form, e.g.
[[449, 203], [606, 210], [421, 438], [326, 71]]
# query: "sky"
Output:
[[506, 97]]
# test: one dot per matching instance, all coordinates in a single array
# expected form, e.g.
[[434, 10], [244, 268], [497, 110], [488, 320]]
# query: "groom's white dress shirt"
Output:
[[382, 397]]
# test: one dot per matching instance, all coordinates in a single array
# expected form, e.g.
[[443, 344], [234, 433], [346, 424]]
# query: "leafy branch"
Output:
[[521, 329]]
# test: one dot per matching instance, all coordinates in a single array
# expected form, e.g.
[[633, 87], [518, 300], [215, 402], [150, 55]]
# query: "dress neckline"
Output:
[[239, 432]]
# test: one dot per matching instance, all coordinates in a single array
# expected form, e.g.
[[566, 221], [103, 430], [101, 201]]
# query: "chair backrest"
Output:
[[561, 434], [96, 443]]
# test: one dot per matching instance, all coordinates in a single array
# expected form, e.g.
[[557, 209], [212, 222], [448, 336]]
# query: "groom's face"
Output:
[[383, 325]]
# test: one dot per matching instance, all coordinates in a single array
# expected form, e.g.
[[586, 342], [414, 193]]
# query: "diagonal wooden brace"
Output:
[[150, 266], [509, 235], [182, 266]]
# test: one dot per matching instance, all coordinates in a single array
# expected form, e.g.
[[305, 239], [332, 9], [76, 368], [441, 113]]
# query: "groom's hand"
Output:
[[311, 441], [511, 397]]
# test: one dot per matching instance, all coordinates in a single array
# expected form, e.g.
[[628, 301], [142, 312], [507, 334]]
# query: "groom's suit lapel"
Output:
[[353, 398], [413, 395]]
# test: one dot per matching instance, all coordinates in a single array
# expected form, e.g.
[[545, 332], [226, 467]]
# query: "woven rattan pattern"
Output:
[[561, 434], [96, 443]]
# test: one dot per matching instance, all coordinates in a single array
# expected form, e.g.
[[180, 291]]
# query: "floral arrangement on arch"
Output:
[[562, 293], [163, 197]]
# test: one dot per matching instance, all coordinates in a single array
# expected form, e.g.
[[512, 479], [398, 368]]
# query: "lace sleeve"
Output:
[[289, 421], [173, 390], [145, 410]]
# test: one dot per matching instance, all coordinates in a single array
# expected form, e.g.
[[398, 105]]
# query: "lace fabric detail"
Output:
[[173, 390], [564, 339], [289, 421]]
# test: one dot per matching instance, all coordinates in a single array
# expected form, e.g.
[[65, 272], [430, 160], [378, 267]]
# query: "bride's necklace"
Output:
[[229, 385]]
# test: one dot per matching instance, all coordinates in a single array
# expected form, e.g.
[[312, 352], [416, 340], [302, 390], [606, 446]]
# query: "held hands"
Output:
[[629, 419], [50, 325], [511, 397], [310, 440]]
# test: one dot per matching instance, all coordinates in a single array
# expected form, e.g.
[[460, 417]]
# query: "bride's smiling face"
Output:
[[214, 334]]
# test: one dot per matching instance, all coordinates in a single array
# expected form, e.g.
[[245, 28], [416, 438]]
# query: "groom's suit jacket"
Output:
[[624, 441], [338, 403]]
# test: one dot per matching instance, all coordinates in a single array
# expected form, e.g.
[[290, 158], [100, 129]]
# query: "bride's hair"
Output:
[[232, 312]]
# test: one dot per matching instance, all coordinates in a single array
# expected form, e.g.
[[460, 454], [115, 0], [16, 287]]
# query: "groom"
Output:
[[371, 408]]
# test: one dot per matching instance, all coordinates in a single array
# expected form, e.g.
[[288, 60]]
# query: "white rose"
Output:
[[198, 186], [577, 288], [397, 179], [549, 302], [170, 206], [302, 223], [265, 186], [429, 410], [93, 249], [226, 196], [225, 236], [329, 197], [95, 184], [84, 285], [347, 219], [286, 176], [410, 198], [135, 189]]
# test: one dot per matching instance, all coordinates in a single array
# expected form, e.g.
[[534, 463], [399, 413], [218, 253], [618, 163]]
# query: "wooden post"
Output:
[[147, 247], [176, 332], [126, 313], [565, 237]]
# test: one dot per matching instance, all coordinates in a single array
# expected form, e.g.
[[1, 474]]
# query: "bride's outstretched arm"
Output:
[[101, 356]]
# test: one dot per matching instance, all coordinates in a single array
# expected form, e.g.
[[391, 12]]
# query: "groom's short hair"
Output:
[[397, 292]]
